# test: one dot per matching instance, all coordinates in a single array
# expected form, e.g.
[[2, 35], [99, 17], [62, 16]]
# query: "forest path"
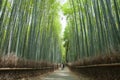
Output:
[[64, 74]]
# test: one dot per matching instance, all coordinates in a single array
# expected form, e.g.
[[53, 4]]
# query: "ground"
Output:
[[61, 75], [57, 75]]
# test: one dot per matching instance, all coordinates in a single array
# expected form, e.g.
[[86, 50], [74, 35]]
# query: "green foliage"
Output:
[[92, 28], [66, 8], [30, 29]]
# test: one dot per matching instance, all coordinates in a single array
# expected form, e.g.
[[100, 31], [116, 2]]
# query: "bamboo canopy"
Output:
[[30, 29], [93, 28]]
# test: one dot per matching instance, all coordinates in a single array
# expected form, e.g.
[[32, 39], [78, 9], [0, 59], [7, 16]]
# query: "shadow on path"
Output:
[[60, 75]]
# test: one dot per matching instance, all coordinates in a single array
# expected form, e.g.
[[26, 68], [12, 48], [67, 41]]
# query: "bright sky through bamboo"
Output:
[[62, 18]]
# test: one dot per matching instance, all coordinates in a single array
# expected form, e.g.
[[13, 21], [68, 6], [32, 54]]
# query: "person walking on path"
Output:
[[62, 66]]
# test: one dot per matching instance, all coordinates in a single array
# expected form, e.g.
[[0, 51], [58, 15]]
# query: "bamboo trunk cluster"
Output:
[[28, 30], [93, 29]]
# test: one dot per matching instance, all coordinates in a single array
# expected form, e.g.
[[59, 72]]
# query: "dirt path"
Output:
[[60, 75]]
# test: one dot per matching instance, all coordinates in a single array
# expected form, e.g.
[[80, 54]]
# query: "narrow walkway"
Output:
[[60, 75]]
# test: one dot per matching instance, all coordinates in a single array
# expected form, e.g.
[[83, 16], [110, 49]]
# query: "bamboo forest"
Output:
[[59, 40]]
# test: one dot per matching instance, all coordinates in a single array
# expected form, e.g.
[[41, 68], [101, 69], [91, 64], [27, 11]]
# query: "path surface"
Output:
[[60, 75]]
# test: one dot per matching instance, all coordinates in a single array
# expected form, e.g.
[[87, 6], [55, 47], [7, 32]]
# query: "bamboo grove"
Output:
[[30, 29], [93, 28]]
